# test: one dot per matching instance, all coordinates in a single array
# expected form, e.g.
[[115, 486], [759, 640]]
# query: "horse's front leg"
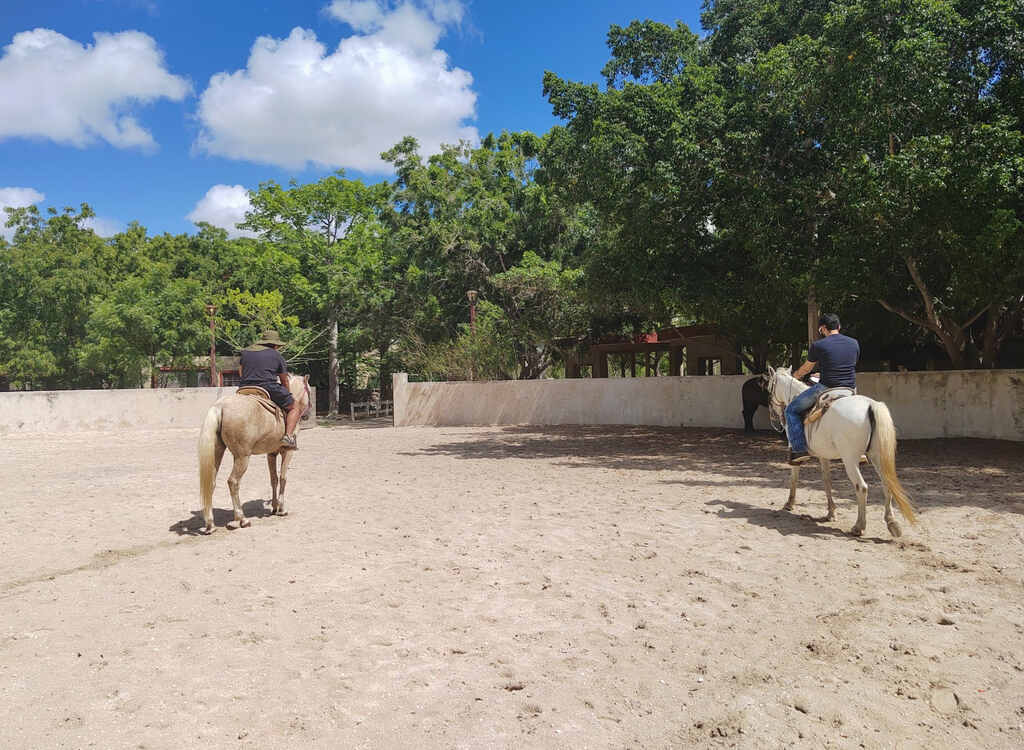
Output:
[[826, 477], [272, 466], [794, 474], [286, 459], [852, 466], [237, 471]]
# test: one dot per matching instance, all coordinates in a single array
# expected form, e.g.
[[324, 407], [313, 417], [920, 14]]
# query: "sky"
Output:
[[166, 112]]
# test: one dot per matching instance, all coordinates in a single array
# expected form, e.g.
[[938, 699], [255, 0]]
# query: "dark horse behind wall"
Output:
[[755, 394]]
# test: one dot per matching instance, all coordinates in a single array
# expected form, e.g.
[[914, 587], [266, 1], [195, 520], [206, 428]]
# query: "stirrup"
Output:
[[289, 441]]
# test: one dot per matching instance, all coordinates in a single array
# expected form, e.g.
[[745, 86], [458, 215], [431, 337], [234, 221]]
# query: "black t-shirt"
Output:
[[261, 364], [836, 356]]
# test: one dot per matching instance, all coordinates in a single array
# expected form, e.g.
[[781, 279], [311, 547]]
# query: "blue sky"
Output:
[[165, 111]]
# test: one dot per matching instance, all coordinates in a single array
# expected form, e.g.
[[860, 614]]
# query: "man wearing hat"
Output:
[[264, 366]]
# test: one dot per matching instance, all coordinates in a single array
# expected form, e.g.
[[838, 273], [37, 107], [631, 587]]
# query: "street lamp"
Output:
[[210, 310], [471, 294]]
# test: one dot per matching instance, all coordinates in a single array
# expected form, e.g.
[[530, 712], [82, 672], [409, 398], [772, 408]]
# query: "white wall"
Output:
[[140, 409], [976, 403]]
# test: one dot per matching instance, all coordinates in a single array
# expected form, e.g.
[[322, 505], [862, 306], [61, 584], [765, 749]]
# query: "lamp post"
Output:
[[471, 295], [211, 309]]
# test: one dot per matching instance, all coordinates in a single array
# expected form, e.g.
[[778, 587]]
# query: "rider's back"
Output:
[[836, 356]]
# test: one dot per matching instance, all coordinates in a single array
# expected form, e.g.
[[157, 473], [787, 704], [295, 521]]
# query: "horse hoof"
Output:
[[856, 531], [788, 506], [245, 523], [208, 529], [894, 529], [282, 512]]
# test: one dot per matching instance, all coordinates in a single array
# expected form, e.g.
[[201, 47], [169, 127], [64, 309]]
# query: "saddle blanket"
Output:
[[825, 399], [263, 398]]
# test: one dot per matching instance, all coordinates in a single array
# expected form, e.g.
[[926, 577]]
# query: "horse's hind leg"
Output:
[[272, 465], [852, 465], [826, 477], [237, 470], [890, 520], [794, 474]]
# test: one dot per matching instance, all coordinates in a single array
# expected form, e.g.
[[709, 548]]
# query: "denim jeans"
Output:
[[795, 412]]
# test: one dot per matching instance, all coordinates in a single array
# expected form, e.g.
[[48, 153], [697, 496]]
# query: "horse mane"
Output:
[[787, 372]]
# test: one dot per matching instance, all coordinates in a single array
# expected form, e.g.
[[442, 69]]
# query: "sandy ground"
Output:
[[506, 588]]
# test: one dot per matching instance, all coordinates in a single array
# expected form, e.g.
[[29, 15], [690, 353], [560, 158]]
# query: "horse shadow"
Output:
[[786, 522], [194, 524]]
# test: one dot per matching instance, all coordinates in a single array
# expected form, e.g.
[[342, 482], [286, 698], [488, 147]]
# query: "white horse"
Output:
[[852, 427]]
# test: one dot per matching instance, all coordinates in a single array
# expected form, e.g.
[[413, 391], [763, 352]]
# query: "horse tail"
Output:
[[885, 435], [211, 450]]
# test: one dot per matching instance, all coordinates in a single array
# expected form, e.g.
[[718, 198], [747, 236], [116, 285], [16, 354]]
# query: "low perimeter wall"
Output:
[[122, 409], [961, 403]]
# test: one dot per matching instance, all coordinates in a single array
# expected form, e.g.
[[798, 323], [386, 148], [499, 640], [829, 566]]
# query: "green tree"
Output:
[[51, 272], [313, 223], [146, 321]]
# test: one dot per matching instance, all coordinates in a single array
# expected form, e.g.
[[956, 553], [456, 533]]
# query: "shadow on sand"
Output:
[[194, 525]]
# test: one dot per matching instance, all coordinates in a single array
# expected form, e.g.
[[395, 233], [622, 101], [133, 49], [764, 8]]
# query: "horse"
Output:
[[853, 426], [241, 424]]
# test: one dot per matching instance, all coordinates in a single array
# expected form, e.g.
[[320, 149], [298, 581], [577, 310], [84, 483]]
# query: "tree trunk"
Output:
[[332, 362], [813, 315], [385, 381]]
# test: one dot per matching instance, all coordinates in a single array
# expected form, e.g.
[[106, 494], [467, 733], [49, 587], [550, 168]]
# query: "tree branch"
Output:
[[922, 288], [980, 312], [906, 316]]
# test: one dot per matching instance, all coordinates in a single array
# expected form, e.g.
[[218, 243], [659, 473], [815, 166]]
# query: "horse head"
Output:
[[299, 388], [780, 392]]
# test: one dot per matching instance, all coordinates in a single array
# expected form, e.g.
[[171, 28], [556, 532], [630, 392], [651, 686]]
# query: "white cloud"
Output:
[[224, 206], [296, 104], [53, 87], [15, 197], [104, 227]]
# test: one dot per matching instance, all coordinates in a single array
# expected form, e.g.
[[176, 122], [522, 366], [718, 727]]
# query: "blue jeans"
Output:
[[795, 412]]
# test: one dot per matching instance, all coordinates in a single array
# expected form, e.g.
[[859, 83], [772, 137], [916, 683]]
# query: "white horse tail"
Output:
[[211, 450], [885, 434]]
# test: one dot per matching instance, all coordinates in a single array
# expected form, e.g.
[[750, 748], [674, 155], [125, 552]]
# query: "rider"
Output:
[[263, 365], [835, 355]]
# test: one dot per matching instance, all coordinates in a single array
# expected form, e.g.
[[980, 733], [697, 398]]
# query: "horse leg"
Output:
[[826, 477], [237, 470], [272, 466], [794, 474], [748, 417], [286, 459], [890, 520], [852, 466]]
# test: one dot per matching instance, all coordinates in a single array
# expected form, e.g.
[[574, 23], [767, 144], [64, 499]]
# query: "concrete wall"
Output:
[[128, 409], [978, 403]]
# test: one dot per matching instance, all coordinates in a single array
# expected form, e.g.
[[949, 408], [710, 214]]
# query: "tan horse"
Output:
[[242, 425]]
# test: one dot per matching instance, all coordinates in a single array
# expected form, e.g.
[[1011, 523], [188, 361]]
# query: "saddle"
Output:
[[263, 398], [825, 399]]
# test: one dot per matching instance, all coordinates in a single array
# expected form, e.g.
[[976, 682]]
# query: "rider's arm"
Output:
[[805, 369], [283, 377]]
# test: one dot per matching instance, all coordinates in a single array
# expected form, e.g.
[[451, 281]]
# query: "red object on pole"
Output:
[[213, 347]]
